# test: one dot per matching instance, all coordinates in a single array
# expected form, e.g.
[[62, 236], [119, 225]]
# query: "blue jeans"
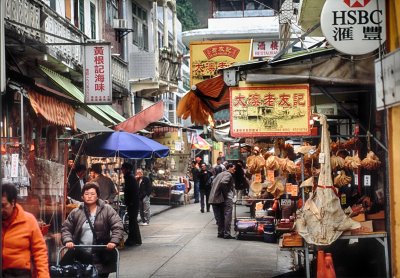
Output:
[[196, 190]]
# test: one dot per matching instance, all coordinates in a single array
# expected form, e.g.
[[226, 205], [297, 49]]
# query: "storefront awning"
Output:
[[198, 143], [87, 125], [105, 113], [53, 110], [201, 102], [142, 119]]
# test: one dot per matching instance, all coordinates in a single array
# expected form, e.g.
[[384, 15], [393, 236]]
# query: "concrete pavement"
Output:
[[182, 242]]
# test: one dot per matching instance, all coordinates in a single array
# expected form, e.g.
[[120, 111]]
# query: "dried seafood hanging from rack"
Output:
[[321, 221]]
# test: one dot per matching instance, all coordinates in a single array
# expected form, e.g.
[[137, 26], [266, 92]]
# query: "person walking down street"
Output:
[[196, 182], [132, 200], [92, 223], [145, 189], [205, 180], [219, 167], [22, 241], [221, 199], [76, 181], [241, 183], [106, 185]]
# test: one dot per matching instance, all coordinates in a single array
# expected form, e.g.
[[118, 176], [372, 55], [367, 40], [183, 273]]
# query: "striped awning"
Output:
[[54, 111]]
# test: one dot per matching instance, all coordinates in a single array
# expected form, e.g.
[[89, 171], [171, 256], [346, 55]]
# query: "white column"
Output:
[[2, 47], [175, 29], [165, 23], [155, 40]]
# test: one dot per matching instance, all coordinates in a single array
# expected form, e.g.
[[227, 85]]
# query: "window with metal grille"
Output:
[[111, 11], [140, 28], [92, 21], [81, 15]]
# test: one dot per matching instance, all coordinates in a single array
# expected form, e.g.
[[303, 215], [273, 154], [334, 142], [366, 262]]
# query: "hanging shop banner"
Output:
[[97, 80], [265, 49], [209, 56], [279, 110], [354, 27]]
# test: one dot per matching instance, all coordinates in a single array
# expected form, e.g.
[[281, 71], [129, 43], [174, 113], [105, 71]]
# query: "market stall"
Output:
[[170, 183]]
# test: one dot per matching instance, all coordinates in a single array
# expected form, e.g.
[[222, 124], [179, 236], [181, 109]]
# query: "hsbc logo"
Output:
[[357, 3], [354, 27]]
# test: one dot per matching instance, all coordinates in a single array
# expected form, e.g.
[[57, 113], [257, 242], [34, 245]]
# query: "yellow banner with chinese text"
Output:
[[276, 110], [207, 57]]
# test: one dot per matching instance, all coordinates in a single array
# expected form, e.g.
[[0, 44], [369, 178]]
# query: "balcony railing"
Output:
[[34, 20], [170, 64]]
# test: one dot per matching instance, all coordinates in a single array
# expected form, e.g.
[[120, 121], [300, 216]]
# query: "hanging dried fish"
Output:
[[371, 162], [341, 179], [352, 162], [272, 163], [337, 162]]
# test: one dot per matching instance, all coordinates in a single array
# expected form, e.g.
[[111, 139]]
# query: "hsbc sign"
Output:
[[354, 27]]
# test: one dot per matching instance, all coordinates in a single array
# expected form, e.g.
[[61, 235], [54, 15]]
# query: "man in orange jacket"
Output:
[[21, 239]]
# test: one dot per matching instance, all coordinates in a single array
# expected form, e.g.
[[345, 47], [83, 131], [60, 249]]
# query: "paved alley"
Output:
[[182, 242]]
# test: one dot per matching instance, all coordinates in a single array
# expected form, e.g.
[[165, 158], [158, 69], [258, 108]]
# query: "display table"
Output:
[[381, 237], [161, 194]]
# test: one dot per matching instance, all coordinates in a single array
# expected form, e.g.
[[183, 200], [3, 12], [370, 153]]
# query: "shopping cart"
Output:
[[254, 226], [64, 248]]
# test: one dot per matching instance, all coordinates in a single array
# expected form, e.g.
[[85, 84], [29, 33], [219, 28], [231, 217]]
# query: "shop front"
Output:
[[287, 159]]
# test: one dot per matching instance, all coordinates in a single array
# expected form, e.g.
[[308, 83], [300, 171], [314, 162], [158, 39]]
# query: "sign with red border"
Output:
[[278, 110]]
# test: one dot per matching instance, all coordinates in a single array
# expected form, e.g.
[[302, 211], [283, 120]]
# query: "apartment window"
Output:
[[81, 15], [53, 4], [111, 11], [140, 27], [93, 21]]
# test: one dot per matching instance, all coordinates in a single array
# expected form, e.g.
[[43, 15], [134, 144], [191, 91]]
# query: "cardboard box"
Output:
[[378, 215], [366, 227], [359, 218]]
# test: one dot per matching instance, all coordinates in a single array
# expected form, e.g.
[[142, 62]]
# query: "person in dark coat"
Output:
[[131, 199], [105, 228], [205, 180], [195, 176], [108, 191], [76, 181], [221, 199], [145, 189]]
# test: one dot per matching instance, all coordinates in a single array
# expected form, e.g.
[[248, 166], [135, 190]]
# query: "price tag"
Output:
[[321, 158], [367, 180], [286, 202], [343, 199], [355, 179], [271, 175]]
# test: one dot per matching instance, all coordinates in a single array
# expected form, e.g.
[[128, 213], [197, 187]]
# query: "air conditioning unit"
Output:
[[120, 24]]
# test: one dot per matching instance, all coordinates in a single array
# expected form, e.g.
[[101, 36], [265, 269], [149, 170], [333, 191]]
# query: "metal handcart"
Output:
[[258, 226], [64, 248]]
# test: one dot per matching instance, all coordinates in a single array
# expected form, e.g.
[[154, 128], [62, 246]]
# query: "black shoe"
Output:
[[196, 202], [202, 210], [228, 237], [220, 235]]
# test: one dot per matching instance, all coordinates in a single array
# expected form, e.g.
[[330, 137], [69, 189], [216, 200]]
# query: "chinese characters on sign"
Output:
[[354, 27], [265, 48], [206, 58], [278, 110], [97, 74]]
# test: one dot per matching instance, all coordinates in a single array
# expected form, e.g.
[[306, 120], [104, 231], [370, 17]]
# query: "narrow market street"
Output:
[[182, 242]]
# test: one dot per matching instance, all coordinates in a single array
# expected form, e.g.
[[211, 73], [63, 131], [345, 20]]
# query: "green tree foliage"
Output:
[[186, 15]]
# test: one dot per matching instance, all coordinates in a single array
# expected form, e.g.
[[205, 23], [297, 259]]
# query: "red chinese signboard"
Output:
[[97, 74], [278, 110]]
